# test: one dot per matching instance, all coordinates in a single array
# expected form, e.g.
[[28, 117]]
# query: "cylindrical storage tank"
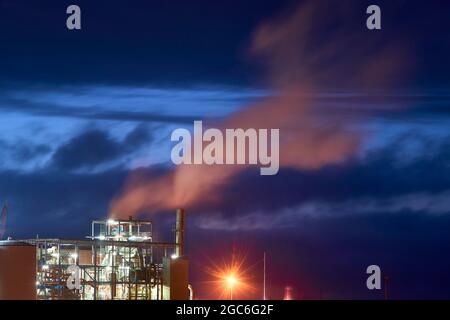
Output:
[[17, 271]]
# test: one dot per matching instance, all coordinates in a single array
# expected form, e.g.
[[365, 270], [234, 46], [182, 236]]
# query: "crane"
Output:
[[3, 216]]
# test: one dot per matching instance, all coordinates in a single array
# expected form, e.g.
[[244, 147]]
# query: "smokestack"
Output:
[[179, 233]]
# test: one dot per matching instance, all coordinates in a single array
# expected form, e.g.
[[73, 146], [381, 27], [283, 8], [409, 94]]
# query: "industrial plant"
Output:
[[119, 261]]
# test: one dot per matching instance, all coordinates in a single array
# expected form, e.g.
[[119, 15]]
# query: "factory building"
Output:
[[119, 261]]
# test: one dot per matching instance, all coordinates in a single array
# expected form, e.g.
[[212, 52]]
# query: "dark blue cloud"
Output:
[[94, 147], [22, 151]]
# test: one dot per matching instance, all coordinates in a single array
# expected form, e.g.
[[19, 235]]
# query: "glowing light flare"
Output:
[[230, 280]]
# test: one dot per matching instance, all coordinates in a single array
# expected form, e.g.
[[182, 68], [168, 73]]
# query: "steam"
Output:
[[305, 52]]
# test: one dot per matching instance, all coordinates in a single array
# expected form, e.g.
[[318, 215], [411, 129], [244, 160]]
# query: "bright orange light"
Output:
[[230, 278]]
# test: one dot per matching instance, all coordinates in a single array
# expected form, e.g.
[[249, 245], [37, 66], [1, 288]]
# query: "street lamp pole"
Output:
[[231, 282], [264, 279]]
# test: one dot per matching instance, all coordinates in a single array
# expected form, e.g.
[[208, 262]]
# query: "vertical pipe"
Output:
[[386, 288], [113, 275], [129, 273], [162, 289], [264, 279], [95, 270], [157, 283], [179, 233]]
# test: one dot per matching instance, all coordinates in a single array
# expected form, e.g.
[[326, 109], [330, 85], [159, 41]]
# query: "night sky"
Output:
[[365, 176]]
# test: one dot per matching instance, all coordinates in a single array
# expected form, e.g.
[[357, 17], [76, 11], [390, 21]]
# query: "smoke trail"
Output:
[[304, 52]]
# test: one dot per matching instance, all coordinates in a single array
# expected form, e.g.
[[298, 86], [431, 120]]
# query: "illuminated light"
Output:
[[288, 293], [174, 256], [37, 283], [231, 281], [111, 221], [45, 267], [55, 255], [74, 256], [101, 238]]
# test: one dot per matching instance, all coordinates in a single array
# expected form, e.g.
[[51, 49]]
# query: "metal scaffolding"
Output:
[[119, 261]]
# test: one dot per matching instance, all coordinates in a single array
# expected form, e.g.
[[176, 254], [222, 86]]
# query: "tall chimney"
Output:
[[179, 233]]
